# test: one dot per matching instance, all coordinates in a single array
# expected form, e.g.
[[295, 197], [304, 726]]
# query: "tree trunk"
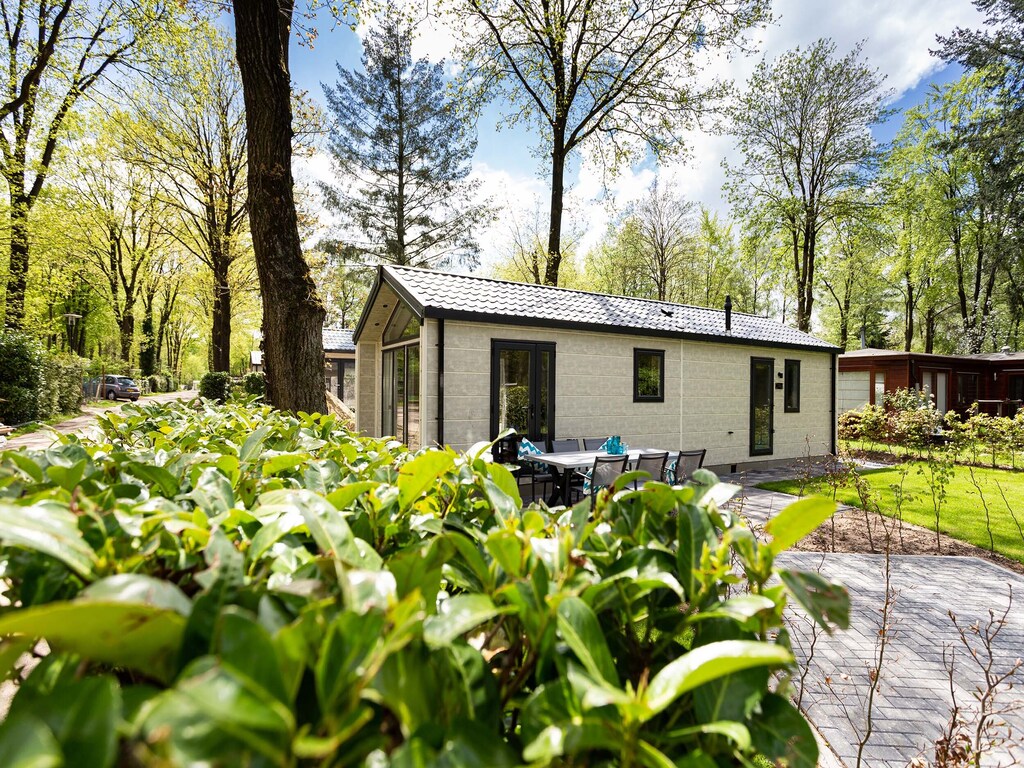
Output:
[[147, 344], [293, 315], [929, 330], [220, 337], [908, 326], [127, 329], [17, 279], [555, 221]]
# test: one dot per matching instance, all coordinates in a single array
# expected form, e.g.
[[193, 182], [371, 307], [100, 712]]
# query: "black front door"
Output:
[[523, 388], [762, 405]]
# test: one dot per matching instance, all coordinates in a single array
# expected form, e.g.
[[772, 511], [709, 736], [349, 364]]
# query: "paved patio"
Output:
[[913, 700], [912, 704]]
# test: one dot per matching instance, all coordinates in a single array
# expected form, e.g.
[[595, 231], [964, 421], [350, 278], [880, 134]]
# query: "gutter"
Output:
[[833, 428], [440, 381]]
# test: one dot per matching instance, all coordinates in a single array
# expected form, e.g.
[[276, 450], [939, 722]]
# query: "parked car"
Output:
[[113, 388]]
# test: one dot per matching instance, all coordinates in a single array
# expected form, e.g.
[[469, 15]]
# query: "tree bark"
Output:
[[220, 338], [555, 221], [293, 315], [14, 316]]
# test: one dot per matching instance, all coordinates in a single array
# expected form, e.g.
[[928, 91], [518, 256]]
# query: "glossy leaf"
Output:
[[825, 602], [706, 663], [457, 616], [138, 636], [781, 733], [578, 626], [797, 520], [48, 528]]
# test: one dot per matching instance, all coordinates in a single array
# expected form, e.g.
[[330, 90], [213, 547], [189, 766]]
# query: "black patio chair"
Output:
[[604, 472], [564, 445], [653, 463], [684, 465], [593, 443], [506, 451]]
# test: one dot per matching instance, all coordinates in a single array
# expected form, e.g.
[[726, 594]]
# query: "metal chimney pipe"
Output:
[[728, 312]]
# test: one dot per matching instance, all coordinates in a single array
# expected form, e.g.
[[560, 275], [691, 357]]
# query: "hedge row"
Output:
[[34, 383]]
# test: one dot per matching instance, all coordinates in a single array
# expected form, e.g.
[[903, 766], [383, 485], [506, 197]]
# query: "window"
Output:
[[402, 326], [648, 376], [792, 391]]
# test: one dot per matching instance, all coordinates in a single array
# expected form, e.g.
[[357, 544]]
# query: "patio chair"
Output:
[[564, 445], [506, 451], [679, 470], [593, 443], [604, 472], [652, 463]]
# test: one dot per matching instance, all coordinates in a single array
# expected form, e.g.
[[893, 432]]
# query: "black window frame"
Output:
[[789, 382], [536, 418], [660, 355]]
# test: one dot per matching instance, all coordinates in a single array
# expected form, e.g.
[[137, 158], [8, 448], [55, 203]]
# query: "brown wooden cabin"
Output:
[[995, 380]]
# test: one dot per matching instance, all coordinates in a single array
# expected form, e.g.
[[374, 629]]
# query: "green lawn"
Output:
[[963, 512]]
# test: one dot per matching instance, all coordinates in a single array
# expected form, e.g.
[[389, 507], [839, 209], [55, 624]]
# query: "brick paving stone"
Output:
[[912, 701]]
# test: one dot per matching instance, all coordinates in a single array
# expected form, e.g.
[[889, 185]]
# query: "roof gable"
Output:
[[447, 295]]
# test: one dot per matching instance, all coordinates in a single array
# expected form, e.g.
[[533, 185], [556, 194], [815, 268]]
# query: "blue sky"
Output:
[[897, 36]]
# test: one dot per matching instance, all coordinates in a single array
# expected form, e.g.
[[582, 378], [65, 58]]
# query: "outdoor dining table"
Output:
[[569, 461]]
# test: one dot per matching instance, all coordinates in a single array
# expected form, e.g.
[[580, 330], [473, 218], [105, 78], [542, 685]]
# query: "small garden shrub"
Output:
[[60, 386], [215, 385], [237, 586], [849, 425], [255, 383]]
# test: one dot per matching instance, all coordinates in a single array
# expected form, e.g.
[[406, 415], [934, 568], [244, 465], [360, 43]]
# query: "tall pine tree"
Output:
[[402, 152]]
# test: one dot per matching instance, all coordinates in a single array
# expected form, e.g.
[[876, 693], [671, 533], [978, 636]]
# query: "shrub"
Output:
[[255, 383], [874, 423], [21, 362], [849, 425], [155, 385], [60, 386], [215, 385], [238, 586]]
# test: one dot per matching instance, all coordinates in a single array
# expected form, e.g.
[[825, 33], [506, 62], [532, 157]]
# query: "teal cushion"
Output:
[[670, 472], [586, 481]]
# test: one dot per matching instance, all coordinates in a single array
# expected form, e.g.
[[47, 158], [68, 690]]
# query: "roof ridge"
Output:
[[658, 302]]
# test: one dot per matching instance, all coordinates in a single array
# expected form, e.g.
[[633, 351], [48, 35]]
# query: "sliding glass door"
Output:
[[401, 380], [522, 388]]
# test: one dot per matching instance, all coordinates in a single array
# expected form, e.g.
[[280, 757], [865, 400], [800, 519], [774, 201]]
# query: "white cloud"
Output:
[[897, 33]]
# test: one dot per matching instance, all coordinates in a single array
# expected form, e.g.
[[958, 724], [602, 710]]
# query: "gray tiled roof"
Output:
[[338, 340], [443, 294]]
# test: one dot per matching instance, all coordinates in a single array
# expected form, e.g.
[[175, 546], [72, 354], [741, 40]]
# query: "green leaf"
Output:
[[283, 462], [709, 662], [137, 588], [25, 464], [26, 742], [737, 733], [332, 534], [825, 602], [155, 476], [343, 497], [251, 447], [138, 636], [797, 520], [565, 739], [780, 733], [694, 534], [247, 648], [82, 714], [47, 527], [458, 615], [743, 609], [217, 716], [579, 627], [213, 492], [414, 477]]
